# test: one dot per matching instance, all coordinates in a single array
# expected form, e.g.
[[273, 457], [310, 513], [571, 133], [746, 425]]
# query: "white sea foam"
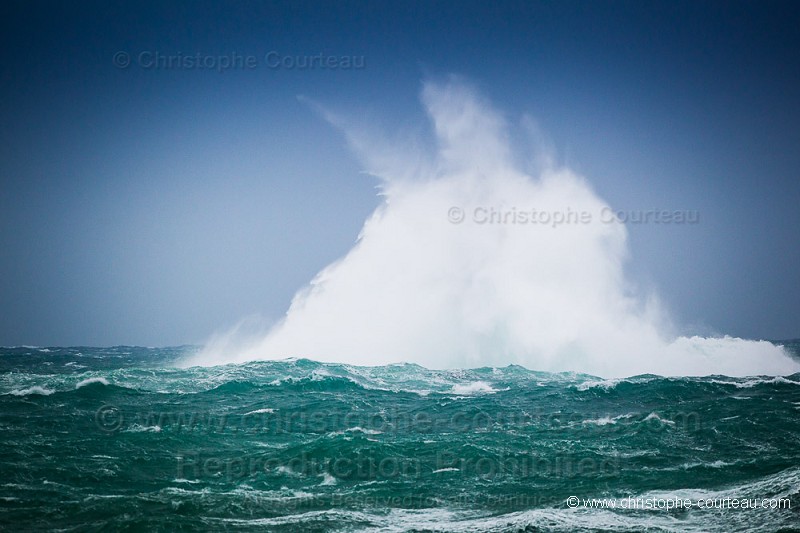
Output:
[[137, 428], [433, 280], [754, 382], [476, 387], [366, 431], [36, 389], [609, 420], [780, 485], [604, 421], [605, 384], [328, 479], [654, 416], [713, 464], [286, 471], [89, 381], [259, 411]]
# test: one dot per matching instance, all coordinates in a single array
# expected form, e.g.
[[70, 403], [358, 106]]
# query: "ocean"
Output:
[[125, 439]]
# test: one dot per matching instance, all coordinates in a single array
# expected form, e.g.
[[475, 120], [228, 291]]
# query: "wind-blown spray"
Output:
[[471, 262]]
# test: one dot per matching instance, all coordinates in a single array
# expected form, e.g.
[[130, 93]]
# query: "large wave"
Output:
[[470, 261]]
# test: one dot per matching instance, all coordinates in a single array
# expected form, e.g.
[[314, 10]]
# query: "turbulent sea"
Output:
[[123, 439]]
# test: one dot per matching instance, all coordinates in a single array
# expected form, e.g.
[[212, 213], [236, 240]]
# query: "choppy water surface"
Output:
[[121, 438]]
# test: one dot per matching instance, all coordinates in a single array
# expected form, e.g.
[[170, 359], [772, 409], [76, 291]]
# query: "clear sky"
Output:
[[149, 201]]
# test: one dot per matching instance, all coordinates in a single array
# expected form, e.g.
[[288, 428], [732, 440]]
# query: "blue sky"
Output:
[[153, 206]]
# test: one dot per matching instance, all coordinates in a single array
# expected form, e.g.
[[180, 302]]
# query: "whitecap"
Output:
[[287, 471], [604, 421], [259, 411], [136, 428], [605, 384], [36, 389], [366, 431], [754, 382], [716, 464], [328, 479], [654, 416], [476, 387], [89, 381]]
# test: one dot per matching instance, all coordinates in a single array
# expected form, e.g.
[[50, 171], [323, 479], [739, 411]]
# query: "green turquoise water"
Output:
[[122, 439]]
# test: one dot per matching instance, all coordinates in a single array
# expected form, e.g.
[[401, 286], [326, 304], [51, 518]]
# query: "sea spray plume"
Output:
[[447, 272]]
